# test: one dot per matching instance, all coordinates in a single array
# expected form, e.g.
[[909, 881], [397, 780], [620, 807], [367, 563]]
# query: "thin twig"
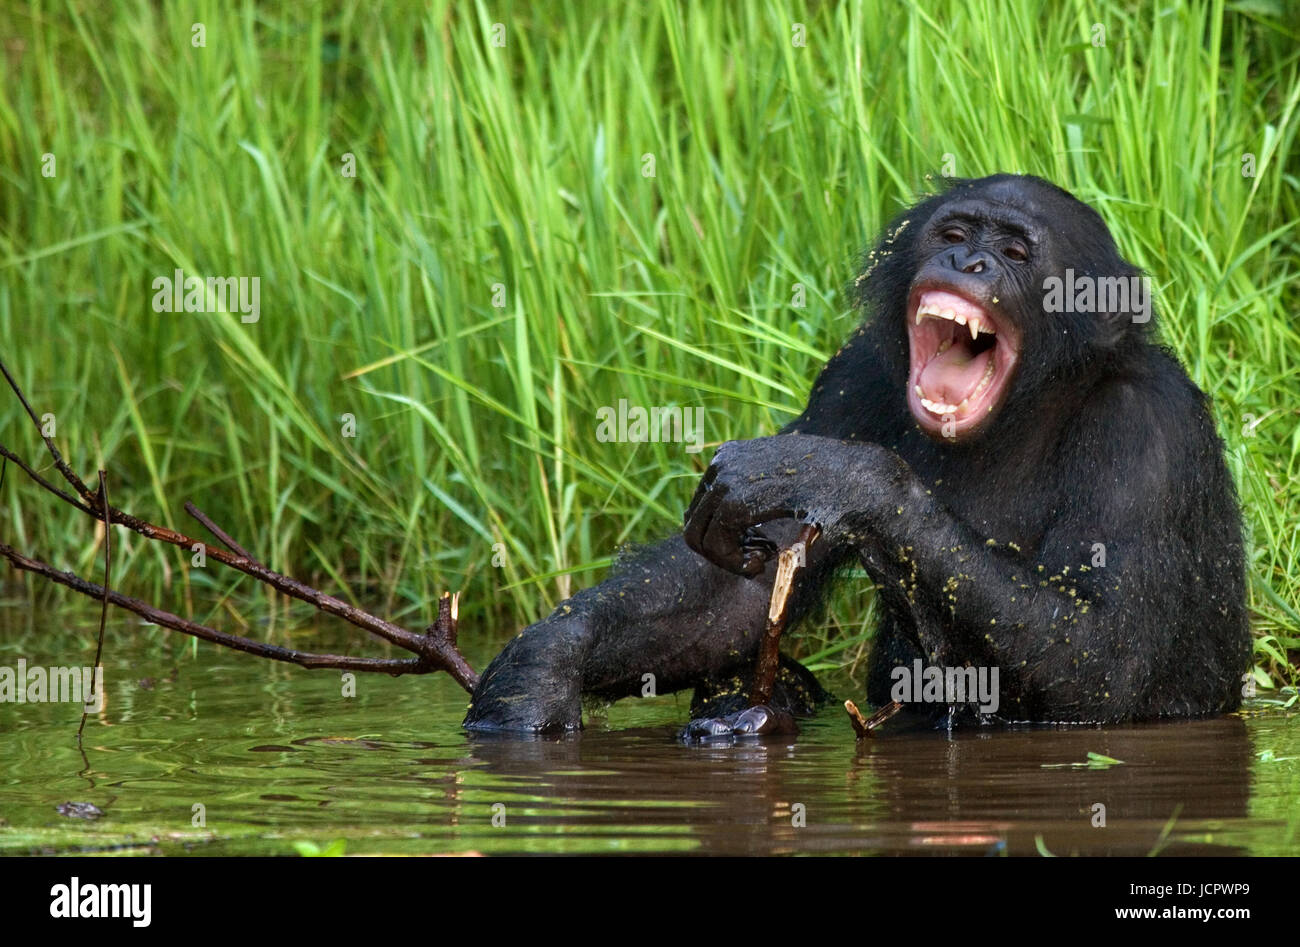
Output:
[[7, 454], [68, 473], [217, 531], [103, 608], [166, 619], [435, 650]]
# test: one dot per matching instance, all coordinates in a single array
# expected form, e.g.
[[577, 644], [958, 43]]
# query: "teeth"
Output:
[[935, 407], [930, 310], [984, 382], [944, 346], [938, 407]]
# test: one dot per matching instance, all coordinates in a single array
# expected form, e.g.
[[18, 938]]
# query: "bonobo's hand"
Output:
[[818, 479]]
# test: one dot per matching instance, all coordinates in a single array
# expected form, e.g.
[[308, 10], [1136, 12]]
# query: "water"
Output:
[[274, 756]]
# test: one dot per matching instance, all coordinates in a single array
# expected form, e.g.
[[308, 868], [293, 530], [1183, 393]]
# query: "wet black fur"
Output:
[[982, 550]]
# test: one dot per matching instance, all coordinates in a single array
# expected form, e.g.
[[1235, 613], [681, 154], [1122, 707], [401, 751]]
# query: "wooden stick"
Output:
[[769, 649]]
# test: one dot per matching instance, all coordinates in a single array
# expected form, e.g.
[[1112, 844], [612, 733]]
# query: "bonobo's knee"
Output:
[[535, 683]]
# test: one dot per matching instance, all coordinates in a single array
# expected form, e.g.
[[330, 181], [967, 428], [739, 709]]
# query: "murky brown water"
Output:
[[274, 755]]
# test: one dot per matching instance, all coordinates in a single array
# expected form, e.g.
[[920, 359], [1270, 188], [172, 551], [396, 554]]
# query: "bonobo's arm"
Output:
[[669, 612], [1064, 637]]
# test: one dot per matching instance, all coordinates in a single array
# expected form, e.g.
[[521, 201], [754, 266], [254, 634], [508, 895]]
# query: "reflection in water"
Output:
[[222, 754], [909, 792]]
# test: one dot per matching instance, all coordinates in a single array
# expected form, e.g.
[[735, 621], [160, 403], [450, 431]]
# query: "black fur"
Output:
[[982, 546]]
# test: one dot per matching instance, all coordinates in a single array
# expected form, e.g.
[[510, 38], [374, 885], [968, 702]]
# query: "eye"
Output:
[[952, 235], [1016, 251]]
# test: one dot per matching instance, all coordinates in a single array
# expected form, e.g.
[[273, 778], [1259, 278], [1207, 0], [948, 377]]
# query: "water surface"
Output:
[[275, 755]]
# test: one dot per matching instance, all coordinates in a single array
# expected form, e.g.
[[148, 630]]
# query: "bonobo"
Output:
[[1033, 484]]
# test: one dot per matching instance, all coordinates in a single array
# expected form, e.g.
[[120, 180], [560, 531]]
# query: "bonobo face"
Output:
[[975, 305], [979, 254]]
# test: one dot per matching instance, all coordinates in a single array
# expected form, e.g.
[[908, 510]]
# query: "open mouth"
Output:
[[961, 361]]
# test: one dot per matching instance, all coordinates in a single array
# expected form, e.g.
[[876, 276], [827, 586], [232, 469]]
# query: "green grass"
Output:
[[523, 166]]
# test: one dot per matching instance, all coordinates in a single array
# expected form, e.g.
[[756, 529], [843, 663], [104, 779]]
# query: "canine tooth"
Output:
[[919, 315], [944, 346], [918, 392], [974, 328]]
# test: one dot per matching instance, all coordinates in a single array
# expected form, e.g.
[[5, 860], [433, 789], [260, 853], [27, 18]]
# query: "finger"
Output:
[[763, 719], [753, 720], [754, 540], [701, 515], [721, 538], [702, 490], [756, 550]]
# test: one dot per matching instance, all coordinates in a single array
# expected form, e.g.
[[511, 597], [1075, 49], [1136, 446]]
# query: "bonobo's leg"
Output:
[[890, 649], [668, 613]]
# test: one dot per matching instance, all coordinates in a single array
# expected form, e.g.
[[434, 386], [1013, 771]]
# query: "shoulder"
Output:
[[859, 393], [1146, 429]]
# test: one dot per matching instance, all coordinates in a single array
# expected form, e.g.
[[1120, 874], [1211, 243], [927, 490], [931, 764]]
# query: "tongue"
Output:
[[951, 376]]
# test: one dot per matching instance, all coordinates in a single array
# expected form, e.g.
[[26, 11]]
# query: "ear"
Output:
[[1108, 300], [1125, 303]]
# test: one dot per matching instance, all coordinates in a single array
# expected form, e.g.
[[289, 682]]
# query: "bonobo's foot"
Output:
[[795, 691], [721, 708], [750, 722]]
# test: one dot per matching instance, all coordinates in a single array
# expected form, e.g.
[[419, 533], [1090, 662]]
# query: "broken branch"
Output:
[[863, 726], [435, 650], [788, 565]]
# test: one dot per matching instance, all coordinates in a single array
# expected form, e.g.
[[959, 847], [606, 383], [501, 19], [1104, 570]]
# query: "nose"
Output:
[[966, 261]]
